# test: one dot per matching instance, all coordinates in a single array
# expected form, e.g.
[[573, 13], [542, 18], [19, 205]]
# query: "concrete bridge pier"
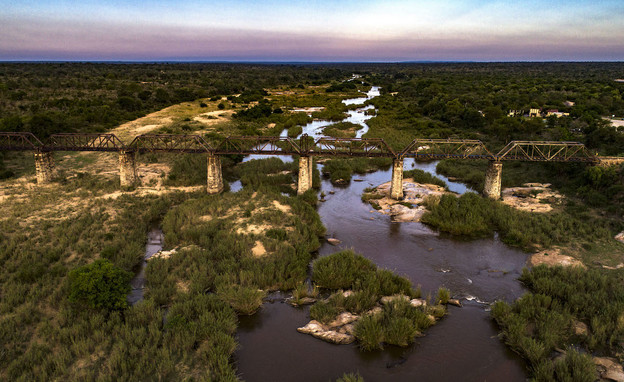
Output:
[[44, 166], [306, 169], [127, 169], [215, 177], [492, 187], [396, 187]]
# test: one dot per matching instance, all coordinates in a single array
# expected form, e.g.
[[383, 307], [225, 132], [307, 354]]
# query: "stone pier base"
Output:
[[492, 187], [215, 178], [127, 169], [396, 188], [306, 167], [44, 166]]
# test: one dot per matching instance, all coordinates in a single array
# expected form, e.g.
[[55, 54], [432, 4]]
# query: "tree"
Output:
[[100, 285]]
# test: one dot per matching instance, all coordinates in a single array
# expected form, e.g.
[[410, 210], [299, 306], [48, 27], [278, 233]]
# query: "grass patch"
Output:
[[398, 324], [473, 216], [423, 177]]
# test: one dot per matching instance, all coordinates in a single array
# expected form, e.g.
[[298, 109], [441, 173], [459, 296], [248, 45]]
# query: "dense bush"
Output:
[[474, 216], [398, 324], [543, 320], [341, 270], [99, 285]]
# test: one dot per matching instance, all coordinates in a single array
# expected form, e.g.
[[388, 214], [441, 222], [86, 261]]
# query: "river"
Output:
[[462, 346]]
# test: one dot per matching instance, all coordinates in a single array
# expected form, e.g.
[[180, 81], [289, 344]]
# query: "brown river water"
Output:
[[463, 346]]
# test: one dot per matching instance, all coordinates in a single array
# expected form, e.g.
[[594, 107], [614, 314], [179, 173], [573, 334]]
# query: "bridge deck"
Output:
[[535, 151]]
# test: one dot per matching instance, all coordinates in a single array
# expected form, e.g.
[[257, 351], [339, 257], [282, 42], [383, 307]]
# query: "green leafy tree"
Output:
[[100, 285]]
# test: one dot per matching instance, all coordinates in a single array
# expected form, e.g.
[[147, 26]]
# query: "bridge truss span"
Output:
[[85, 142], [18, 141], [351, 147], [173, 143], [446, 149], [546, 151], [248, 145]]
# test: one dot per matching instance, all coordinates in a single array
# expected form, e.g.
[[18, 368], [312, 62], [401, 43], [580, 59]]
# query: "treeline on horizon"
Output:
[[474, 100], [46, 98]]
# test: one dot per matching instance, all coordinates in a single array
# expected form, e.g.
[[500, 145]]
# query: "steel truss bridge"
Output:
[[424, 149]]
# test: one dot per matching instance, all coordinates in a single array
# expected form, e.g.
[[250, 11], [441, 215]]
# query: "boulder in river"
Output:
[[413, 193], [301, 301], [343, 318], [401, 213], [454, 301], [416, 302], [320, 331], [333, 241]]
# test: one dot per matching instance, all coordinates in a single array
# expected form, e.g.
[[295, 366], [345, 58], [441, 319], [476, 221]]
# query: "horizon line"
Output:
[[277, 62]]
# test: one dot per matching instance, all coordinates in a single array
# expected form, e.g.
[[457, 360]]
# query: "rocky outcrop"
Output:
[[553, 257], [341, 336], [620, 237], [401, 213], [454, 301], [342, 319], [580, 328], [414, 194], [418, 302], [532, 197], [609, 368], [341, 330]]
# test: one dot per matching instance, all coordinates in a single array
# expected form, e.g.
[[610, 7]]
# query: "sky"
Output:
[[312, 30]]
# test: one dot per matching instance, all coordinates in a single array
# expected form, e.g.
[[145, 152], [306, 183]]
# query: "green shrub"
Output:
[[400, 331], [99, 285], [244, 300], [575, 366], [340, 270], [325, 311], [443, 295], [370, 332]]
